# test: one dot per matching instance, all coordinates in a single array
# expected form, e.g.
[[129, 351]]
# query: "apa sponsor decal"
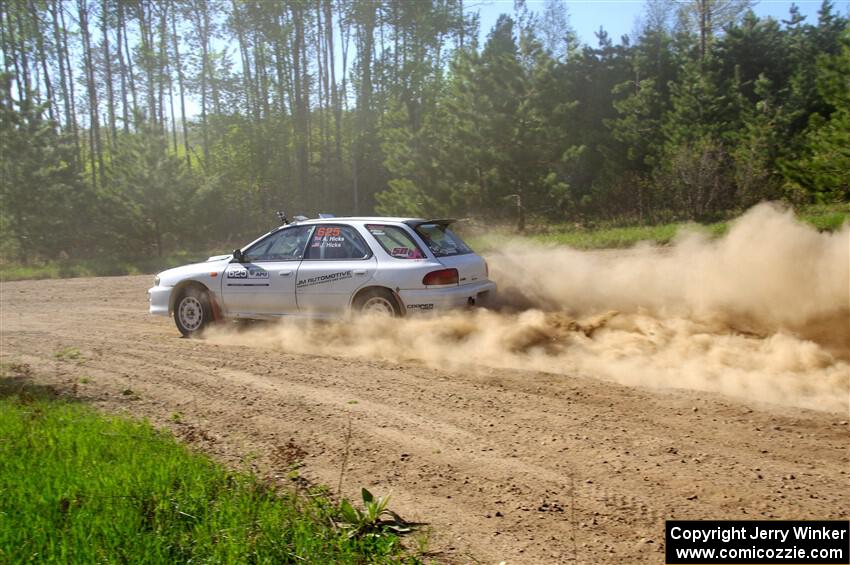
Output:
[[323, 279], [249, 273]]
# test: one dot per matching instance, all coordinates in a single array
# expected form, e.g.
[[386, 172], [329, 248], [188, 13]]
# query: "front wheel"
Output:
[[377, 301], [192, 311]]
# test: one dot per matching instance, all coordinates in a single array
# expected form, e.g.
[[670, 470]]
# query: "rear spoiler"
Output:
[[416, 223]]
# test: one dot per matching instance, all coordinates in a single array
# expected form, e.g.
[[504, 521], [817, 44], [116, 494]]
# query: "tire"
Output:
[[379, 301], [192, 311]]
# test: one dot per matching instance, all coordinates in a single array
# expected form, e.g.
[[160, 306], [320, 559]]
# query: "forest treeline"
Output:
[[133, 127]]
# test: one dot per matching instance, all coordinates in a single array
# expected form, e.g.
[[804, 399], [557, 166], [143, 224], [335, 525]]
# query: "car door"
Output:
[[336, 263], [264, 283]]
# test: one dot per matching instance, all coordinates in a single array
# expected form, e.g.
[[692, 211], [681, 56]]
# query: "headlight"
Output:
[[156, 281]]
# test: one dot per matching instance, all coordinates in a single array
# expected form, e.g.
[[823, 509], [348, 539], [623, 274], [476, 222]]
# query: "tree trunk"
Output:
[[22, 52], [248, 87], [335, 103], [364, 97], [39, 37], [163, 73], [5, 48], [122, 71], [72, 91], [91, 86], [176, 45], [262, 78], [324, 105], [201, 22], [60, 58], [299, 78], [122, 22], [171, 106], [107, 66], [146, 36]]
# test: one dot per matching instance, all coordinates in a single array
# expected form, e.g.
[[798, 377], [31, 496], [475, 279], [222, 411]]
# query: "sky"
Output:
[[619, 17]]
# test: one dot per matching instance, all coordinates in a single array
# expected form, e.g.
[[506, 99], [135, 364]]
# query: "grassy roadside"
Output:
[[80, 487], [825, 218], [99, 267]]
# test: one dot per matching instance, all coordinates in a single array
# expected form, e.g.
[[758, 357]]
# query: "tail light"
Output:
[[443, 276], [486, 270]]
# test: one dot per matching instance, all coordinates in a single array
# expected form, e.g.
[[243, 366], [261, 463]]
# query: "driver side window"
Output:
[[285, 245]]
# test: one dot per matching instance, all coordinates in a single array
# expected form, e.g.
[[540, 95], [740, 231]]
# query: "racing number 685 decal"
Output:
[[329, 232]]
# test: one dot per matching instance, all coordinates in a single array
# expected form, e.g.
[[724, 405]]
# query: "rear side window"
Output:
[[335, 242], [441, 240], [395, 241]]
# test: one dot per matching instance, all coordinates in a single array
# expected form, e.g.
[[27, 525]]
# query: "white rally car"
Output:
[[328, 267]]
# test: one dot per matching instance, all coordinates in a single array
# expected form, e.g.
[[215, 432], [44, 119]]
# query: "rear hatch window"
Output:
[[442, 241], [452, 252]]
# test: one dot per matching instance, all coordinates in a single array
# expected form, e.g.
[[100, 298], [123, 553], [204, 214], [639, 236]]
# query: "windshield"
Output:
[[441, 240]]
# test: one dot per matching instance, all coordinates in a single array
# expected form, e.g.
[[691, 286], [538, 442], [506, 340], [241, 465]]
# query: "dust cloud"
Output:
[[761, 313]]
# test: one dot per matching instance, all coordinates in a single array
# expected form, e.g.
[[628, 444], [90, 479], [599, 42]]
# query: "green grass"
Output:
[[99, 267], [597, 238], [80, 487], [826, 216], [822, 217], [617, 237], [68, 353]]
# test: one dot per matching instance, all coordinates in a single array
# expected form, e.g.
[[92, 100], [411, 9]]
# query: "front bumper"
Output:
[[431, 299], [159, 298]]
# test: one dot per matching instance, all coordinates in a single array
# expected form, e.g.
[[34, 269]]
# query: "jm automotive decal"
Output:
[[322, 279]]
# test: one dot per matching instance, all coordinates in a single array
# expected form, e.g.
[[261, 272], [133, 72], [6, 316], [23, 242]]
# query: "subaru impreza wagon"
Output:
[[328, 267]]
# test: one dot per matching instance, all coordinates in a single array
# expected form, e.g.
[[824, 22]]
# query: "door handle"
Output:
[[285, 273], [360, 271]]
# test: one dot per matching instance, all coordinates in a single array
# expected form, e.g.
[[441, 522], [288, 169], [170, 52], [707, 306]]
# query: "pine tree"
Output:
[[824, 169], [43, 198], [148, 193]]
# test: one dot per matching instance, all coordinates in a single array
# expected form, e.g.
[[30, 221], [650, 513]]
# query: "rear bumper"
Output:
[[159, 297], [427, 300]]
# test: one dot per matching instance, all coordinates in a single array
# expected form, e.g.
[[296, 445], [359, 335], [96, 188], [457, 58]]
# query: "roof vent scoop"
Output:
[[300, 218], [326, 216]]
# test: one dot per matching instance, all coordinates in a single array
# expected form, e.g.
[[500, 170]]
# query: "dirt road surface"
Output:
[[504, 465]]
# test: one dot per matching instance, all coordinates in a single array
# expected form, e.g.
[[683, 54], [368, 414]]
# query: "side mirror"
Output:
[[237, 256]]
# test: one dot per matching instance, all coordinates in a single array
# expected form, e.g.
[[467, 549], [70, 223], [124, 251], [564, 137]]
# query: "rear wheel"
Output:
[[192, 311], [377, 301]]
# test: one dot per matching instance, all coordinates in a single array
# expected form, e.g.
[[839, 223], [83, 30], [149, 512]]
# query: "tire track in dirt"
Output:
[[504, 464]]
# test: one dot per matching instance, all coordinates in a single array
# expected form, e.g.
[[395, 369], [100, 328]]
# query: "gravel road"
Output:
[[503, 465]]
